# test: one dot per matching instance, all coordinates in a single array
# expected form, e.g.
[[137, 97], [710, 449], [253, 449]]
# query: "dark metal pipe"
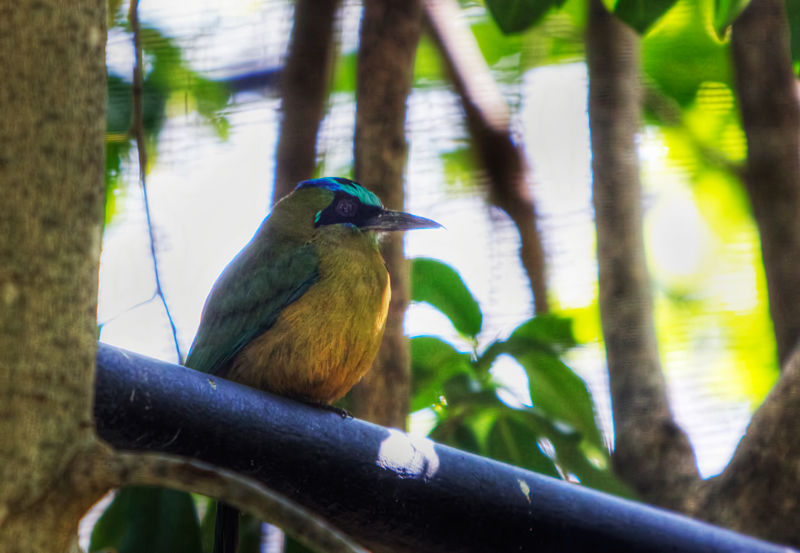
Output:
[[389, 491]]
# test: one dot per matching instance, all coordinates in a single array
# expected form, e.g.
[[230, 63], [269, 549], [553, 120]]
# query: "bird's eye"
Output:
[[346, 208]]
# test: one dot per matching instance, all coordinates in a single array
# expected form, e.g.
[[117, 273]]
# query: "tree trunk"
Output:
[[52, 132], [304, 87], [758, 491], [768, 101], [390, 31], [488, 119], [652, 453]]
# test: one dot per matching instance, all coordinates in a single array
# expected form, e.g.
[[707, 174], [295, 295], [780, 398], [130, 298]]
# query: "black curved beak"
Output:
[[386, 221]]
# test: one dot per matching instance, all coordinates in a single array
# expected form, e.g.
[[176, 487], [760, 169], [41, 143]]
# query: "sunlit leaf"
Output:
[[494, 44], [441, 286], [681, 52], [641, 14], [725, 13], [155, 520], [344, 74], [113, 15], [514, 16], [208, 524], [460, 166], [428, 69]]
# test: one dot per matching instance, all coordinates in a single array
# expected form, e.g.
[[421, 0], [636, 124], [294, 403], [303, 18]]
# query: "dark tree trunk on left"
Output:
[[390, 31], [52, 132]]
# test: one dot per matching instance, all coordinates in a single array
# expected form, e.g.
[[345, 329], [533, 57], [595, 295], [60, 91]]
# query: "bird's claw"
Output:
[[344, 413]]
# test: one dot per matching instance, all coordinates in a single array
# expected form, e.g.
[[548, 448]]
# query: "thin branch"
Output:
[[128, 310], [652, 453], [113, 469], [488, 117], [137, 130]]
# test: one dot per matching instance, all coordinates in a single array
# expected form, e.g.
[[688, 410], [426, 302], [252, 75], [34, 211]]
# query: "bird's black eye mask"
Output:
[[346, 209]]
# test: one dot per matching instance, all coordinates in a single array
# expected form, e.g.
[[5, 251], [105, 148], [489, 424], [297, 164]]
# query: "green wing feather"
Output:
[[248, 298]]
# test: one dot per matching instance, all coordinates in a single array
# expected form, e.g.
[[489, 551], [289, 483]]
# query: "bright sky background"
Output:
[[208, 197]]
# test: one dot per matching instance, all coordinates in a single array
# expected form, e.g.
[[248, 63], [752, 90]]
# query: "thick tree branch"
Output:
[[652, 453], [389, 491], [304, 87], [488, 117], [758, 492], [390, 32], [768, 101]]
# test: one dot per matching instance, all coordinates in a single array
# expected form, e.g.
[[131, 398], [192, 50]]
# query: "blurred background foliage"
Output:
[[710, 299]]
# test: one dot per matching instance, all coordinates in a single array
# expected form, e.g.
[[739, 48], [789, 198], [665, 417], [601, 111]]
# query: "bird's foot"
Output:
[[344, 413]]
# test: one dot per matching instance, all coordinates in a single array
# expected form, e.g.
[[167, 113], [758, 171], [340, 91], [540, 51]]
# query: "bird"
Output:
[[300, 311]]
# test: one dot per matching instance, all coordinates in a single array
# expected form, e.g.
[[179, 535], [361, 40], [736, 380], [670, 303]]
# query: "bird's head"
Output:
[[348, 203]]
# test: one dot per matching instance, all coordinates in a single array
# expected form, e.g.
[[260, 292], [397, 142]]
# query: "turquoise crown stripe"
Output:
[[339, 184]]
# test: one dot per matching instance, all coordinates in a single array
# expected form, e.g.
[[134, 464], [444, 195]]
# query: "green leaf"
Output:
[[548, 334], [441, 286], [493, 43], [641, 14], [515, 16], [516, 443], [455, 432], [683, 52], [726, 12], [550, 330], [344, 74], [573, 460], [154, 520], [249, 534], [460, 166], [793, 15], [208, 525], [560, 393], [428, 68], [291, 545], [432, 363], [555, 389]]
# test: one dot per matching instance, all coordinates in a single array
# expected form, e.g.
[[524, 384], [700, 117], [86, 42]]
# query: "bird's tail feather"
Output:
[[226, 529]]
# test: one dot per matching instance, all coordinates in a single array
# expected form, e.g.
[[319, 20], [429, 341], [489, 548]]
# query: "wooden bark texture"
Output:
[[52, 133], [652, 454], [390, 32]]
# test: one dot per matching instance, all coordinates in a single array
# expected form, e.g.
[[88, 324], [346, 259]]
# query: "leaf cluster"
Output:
[[557, 435]]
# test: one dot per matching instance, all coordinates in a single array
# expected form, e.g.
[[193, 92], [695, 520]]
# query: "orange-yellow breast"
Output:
[[323, 343]]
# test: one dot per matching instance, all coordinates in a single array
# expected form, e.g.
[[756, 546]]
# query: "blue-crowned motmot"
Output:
[[300, 311]]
